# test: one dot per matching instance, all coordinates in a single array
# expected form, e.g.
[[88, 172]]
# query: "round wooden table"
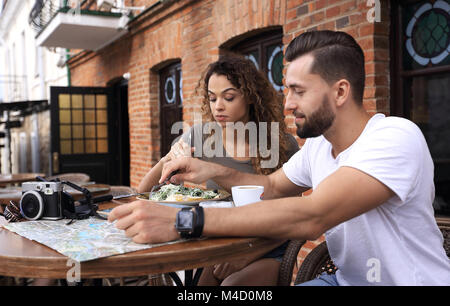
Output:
[[6, 179], [14, 193], [21, 257]]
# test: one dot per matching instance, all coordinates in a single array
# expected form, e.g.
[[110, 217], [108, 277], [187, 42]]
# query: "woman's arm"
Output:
[[197, 171], [179, 149], [152, 177]]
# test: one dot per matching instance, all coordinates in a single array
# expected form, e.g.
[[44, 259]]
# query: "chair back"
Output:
[[289, 260], [315, 263], [319, 261]]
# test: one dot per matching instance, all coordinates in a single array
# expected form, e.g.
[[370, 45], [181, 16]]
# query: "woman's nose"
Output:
[[219, 105]]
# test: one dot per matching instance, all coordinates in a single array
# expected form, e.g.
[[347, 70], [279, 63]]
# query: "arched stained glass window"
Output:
[[275, 67], [266, 52], [420, 91], [171, 103], [427, 31]]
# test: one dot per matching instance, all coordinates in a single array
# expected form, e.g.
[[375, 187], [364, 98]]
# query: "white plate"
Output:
[[222, 196]]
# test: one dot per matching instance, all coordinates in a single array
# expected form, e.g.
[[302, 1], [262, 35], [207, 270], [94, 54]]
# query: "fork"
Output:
[[156, 187]]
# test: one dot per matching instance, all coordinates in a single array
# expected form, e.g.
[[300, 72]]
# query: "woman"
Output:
[[234, 92]]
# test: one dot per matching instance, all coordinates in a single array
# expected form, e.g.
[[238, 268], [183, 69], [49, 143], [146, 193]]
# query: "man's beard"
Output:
[[318, 122]]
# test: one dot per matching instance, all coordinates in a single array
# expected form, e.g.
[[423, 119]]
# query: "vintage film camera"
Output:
[[47, 200], [44, 200]]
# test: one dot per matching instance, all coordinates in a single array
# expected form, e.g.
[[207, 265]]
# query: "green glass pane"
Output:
[[431, 46], [442, 21], [277, 69], [438, 32], [432, 20], [169, 90], [442, 41]]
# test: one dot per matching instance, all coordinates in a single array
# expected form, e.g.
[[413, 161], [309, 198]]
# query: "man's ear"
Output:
[[342, 91]]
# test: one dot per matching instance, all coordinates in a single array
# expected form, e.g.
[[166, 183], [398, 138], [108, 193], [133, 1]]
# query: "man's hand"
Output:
[[190, 169], [146, 222]]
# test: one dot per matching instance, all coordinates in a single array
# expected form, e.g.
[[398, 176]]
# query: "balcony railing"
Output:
[[42, 13], [76, 26]]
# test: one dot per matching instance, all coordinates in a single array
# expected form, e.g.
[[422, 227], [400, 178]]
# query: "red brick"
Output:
[[193, 31], [332, 12]]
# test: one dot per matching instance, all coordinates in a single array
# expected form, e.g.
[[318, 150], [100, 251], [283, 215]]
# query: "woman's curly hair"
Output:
[[264, 101]]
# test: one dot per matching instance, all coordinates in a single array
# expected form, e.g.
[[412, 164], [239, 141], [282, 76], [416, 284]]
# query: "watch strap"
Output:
[[199, 222]]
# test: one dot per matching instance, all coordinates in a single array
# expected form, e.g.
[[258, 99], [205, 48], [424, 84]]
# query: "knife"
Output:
[[122, 196]]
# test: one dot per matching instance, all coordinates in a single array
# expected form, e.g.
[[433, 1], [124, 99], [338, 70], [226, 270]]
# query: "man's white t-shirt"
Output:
[[397, 243]]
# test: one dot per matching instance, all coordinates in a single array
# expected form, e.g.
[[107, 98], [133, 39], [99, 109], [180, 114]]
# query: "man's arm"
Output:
[[276, 185], [343, 195]]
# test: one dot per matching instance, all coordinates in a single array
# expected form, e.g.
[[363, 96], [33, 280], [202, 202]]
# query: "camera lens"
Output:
[[31, 205]]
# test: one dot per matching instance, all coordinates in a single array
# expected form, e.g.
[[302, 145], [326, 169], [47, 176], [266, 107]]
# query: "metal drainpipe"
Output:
[[69, 81]]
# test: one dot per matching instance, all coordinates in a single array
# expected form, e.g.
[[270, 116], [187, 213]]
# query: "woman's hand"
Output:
[[178, 150], [189, 170]]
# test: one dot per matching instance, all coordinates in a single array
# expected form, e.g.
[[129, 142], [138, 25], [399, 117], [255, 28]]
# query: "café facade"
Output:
[[134, 84]]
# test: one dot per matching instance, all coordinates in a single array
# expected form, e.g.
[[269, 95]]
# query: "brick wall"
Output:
[[192, 31]]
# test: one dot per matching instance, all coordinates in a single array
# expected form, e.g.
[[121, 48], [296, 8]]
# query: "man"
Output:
[[372, 180]]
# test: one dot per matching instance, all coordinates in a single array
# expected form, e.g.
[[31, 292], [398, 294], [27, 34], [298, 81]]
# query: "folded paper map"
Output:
[[82, 240]]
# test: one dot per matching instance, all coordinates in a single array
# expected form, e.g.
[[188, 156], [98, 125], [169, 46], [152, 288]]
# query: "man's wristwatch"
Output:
[[189, 222]]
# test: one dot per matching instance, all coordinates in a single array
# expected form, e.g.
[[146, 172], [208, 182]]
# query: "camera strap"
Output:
[[87, 206]]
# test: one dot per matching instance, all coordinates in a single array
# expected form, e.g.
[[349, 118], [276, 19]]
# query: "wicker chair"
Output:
[[71, 177], [319, 261], [287, 264]]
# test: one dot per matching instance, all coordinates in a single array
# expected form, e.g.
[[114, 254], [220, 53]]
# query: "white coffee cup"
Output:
[[246, 194]]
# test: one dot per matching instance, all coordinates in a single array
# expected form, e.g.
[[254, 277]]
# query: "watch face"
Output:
[[185, 219]]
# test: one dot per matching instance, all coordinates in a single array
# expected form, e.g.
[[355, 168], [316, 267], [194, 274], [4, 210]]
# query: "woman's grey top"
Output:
[[211, 149]]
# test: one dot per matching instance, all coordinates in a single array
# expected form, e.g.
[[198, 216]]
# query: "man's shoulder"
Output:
[[393, 122], [395, 128]]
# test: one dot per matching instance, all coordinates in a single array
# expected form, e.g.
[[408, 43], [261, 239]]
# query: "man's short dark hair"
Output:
[[336, 56]]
